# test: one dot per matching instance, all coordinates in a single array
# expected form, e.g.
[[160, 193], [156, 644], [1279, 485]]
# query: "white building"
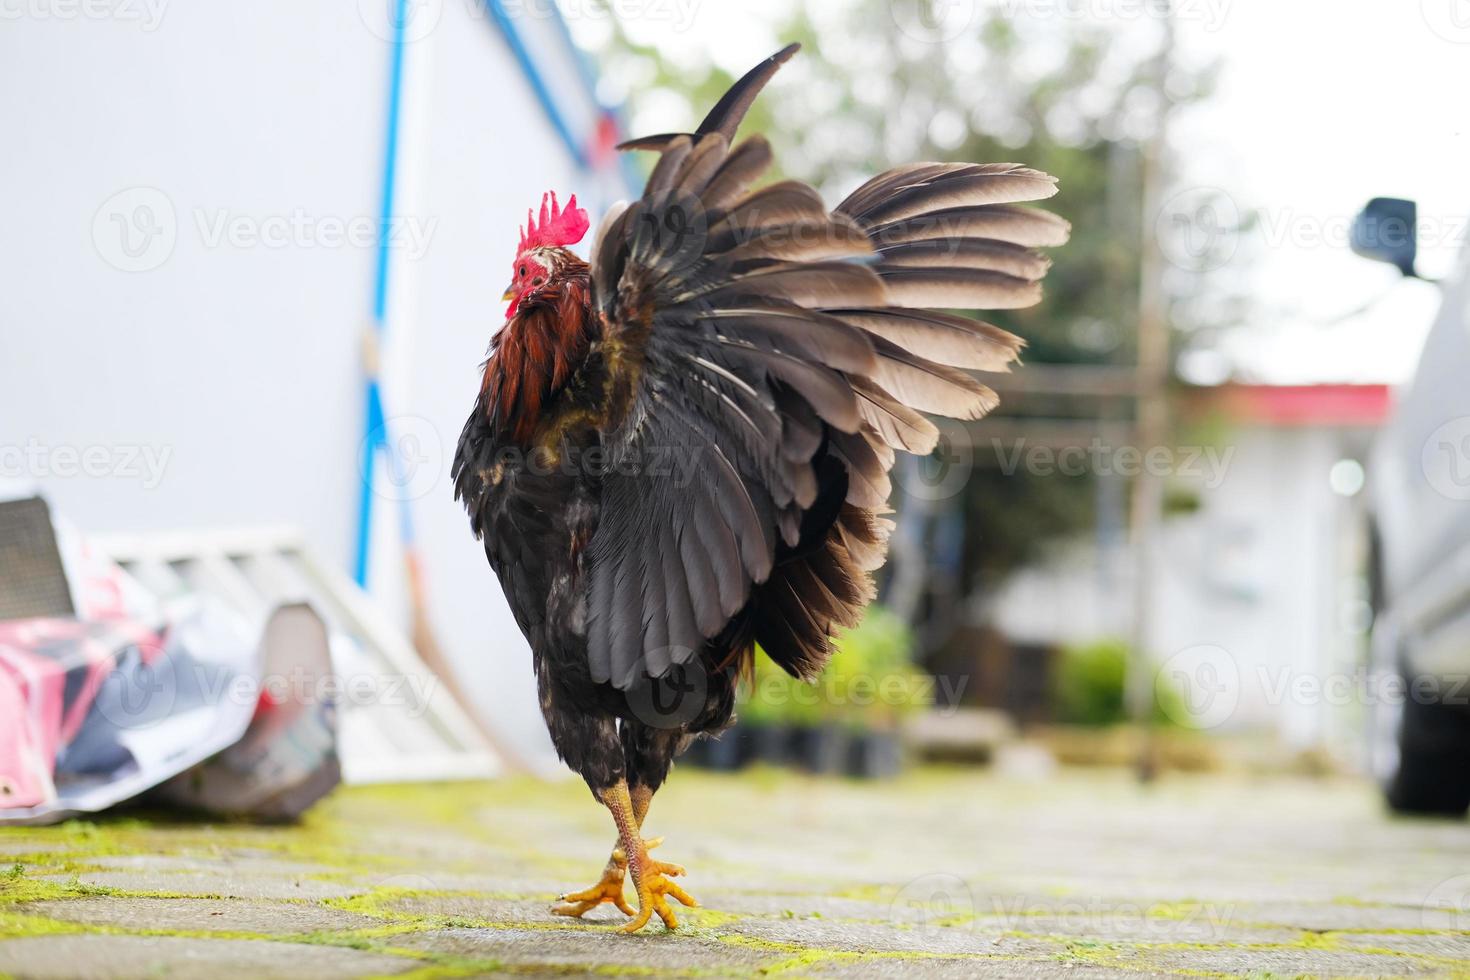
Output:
[[192, 261], [1259, 596]]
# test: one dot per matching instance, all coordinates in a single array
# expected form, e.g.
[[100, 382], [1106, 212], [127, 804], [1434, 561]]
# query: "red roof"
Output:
[[1329, 404]]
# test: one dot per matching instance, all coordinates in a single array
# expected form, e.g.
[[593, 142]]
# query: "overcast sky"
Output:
[[1321, 105]]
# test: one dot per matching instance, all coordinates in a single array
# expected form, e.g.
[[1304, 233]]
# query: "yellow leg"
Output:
[[642, 798], [650, 877], [609, 888]]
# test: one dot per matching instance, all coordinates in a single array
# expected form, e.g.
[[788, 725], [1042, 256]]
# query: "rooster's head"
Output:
[[543, 249]]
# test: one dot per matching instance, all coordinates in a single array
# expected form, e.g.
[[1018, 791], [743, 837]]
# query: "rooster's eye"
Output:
[[523, 272]]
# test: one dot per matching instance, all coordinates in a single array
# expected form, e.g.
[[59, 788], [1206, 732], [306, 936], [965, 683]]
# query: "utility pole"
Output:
[[1146, 506]]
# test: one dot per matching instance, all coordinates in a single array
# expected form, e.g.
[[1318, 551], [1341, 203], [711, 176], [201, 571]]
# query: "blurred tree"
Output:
[[881, 82]]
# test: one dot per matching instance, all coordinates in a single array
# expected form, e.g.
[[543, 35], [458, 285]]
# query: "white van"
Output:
[[1419, 486]]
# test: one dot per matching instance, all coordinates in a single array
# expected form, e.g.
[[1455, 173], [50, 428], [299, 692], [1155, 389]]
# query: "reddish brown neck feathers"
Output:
[[536, 354]]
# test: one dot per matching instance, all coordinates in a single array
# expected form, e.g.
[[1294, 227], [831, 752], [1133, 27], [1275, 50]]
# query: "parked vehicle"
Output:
[[1420, 531]]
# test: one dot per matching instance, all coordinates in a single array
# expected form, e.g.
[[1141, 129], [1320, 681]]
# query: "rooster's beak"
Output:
[[510, 293]]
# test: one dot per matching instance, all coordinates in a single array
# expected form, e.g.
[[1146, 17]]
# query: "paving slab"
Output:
[[240, 883], [1246, 961], [945, 873], [199, 915], [589, 949], [963, 969], [1447, 946], [151, 957]]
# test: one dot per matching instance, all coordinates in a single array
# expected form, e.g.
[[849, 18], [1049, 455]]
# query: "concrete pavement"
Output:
[[948, 873]]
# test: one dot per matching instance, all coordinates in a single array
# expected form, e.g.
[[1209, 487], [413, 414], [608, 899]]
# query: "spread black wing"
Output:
[[772, 355]]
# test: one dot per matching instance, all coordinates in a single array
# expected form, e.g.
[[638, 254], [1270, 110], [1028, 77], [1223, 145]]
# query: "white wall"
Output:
[[1261, 571], [236, 363]]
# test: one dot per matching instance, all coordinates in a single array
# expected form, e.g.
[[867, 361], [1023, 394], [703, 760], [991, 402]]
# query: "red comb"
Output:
[[559, 226]]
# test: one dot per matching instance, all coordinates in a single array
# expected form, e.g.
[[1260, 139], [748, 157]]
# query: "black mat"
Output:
[[32, 581]]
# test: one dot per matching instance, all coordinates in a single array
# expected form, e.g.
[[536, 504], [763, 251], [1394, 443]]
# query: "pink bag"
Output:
[[50, 673], [30, 729]]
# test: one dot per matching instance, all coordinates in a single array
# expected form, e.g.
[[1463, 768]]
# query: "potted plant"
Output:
[[874, 687], [821, 737], [846, 722], [773, 707]]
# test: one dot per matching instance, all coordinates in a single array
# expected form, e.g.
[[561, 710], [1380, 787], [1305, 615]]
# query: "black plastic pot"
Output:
[[725, 753], [696, 754], [875, 755], [771, 744], [823, 749]]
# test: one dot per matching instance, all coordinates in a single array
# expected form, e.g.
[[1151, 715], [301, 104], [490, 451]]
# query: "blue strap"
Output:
[[538, 83], [374, 438]]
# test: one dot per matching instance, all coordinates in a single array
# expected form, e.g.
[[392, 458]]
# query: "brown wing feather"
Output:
[[789, 350]]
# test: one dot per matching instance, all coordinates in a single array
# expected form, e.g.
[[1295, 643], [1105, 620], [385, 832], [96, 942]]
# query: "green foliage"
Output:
[[1088, 684], [870, 682], [1181, 500], [1089, 687], [872, 675], [774, 697]]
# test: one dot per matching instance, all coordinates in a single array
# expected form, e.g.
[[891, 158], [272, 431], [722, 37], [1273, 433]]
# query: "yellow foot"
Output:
[[609, 887], [652, 880]]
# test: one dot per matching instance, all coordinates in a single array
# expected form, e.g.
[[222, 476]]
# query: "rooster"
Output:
[[680, 450]]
